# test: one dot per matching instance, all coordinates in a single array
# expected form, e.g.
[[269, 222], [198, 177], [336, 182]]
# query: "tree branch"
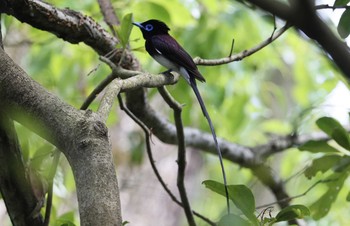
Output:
[[243, 54], [109, 15], [181, 156], [76, 134], [152, 162], [302, 14]]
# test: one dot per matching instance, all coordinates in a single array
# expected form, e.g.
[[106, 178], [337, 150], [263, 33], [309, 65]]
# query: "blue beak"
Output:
[[138, 25]]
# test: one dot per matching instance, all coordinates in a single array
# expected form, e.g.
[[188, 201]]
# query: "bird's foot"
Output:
[[168, 72]]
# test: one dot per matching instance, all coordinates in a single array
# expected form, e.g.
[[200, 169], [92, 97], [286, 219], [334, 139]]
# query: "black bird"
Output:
[[166, 51]]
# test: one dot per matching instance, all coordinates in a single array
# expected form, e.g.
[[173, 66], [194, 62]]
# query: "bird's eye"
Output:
[[149, 27]]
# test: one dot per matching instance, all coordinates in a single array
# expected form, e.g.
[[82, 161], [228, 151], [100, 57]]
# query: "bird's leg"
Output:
[[167, 72]]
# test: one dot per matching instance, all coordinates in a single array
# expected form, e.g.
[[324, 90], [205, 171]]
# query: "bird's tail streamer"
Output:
[[205, 112]]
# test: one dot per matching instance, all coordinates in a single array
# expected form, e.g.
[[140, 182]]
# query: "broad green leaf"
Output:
[[335, 130], [124, 29], [342, 165], [66, 219], [241, 196], [322, 206], [344, 24], [348, 197], [215, 186], [66, 223], [292, 212], [232, 219], [317, 146], [341, 136], [341, 2], [328, 124], [40, 156], [267, 220], [67, 216], [322, 165]]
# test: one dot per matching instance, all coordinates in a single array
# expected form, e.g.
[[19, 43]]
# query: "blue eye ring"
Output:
[[149, 27]]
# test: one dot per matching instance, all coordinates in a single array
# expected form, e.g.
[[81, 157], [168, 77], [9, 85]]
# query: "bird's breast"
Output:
[[166, 63]]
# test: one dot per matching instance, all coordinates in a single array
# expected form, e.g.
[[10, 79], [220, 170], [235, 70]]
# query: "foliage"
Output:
[[278, 90], [335, 160], [243, 198]]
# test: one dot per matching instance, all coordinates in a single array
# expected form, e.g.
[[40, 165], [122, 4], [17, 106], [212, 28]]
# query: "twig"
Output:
[[96, 91], [181, 158], [108, 99], [297, 196], [150, 157], [274, 27], [244, 53], [232, 45], [109, 14], [132, 80], [326, 6], [107, 56], [262, 213]]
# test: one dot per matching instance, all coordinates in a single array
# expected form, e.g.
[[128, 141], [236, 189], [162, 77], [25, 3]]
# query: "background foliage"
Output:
[[279, 90]]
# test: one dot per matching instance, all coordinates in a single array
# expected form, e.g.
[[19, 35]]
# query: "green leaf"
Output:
[[67, 223], [342, 165], [341, 2], [40, 156], [232, 219], [240, 195], [292, 212], [335, 130], [66, 219], [344, 24], [124, 29], [327, 125], [322, 206], [348, 197], [316, 146], [340, 135], [322, 165]]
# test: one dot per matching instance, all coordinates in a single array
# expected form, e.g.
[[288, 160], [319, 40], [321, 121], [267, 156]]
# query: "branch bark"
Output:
[[82, 137]]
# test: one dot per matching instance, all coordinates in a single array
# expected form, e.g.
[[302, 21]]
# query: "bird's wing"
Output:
[[170, 49]]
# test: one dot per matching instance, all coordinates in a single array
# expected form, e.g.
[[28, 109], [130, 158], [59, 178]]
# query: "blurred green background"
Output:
[[279, 90]]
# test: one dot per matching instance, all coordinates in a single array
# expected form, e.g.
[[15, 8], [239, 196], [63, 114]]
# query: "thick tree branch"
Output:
[[140, 80], [76, 134], [67, 24], [108, 99]]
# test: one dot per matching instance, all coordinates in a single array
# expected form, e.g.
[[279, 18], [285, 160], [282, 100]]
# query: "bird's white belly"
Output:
[[170, 65], [166, 63]]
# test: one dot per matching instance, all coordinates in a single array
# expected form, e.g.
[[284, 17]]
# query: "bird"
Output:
[[169, 53]]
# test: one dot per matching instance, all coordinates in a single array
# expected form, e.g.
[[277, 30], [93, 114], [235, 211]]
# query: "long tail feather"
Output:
[[205, 112]]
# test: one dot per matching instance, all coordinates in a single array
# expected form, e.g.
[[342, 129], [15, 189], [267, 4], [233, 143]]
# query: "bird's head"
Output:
[[152, 27]]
